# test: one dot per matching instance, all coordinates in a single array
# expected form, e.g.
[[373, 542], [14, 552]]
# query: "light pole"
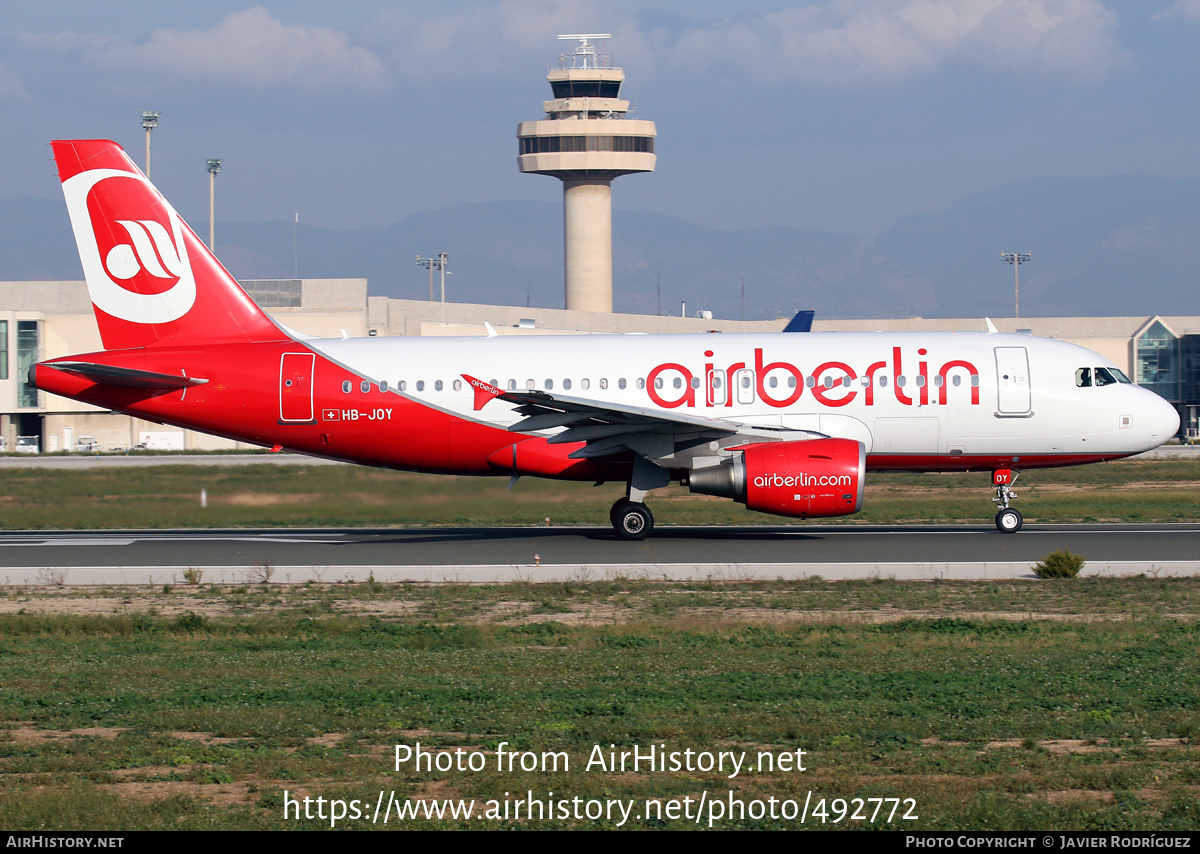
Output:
[[1016, 259], [214, 166], [438, 263], [149, 122]]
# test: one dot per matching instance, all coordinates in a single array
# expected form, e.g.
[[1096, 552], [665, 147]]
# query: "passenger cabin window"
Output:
[[365, 386], [566, 385], [420, 385], [403, 385], [437, 385], [346, 387], [1083, 378]]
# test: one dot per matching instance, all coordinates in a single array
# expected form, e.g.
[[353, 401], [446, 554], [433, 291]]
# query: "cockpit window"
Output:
[[1083, 378], [1103, 377], [1121, 378]]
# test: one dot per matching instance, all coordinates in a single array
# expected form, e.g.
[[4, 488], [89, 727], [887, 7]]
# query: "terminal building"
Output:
[[46, 320]]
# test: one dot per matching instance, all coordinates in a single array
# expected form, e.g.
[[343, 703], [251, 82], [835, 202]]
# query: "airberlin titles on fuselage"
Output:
[[718, 384]]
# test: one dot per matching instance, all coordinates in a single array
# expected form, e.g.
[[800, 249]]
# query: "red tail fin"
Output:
[[150, 278]]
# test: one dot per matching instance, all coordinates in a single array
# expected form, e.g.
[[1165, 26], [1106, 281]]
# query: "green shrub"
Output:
[[1061, 564]]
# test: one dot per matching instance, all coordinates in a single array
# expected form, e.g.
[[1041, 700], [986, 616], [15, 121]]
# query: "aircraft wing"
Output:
[[610, 428]]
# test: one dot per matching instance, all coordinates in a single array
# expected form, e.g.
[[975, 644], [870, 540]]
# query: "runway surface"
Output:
[[479, 555]]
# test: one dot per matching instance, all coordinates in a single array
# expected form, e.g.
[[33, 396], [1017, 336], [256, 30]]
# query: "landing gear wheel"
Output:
[[632, 520], [1009, 521], [615, 510]]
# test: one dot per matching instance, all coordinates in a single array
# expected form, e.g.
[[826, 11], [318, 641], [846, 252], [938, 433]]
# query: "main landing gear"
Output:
[[1008, 519], [632, 520]]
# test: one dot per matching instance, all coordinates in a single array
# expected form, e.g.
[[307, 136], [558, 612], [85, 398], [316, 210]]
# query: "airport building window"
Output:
[[3, 349], [27, 356], [557, 144], [1158, 361], [273, 293], [586, 88]]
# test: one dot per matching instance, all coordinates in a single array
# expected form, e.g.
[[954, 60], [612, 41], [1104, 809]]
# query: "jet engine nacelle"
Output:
[[813, 478]]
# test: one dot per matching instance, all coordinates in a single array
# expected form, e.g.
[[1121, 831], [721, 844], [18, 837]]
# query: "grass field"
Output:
[[265, 495], [1027, 705], [1019, 705]]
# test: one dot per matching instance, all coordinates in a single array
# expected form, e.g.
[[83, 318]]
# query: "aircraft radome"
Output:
[[786, 423]]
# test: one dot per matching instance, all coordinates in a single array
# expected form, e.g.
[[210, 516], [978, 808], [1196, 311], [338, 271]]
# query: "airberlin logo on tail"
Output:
[[131, 245]]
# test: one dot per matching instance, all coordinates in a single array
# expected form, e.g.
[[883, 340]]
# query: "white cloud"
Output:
[[248, 47], [1188, 10], [11, 84], [497, 39], [845, 40]]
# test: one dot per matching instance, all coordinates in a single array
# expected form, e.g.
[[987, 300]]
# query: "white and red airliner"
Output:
[[785, 423]]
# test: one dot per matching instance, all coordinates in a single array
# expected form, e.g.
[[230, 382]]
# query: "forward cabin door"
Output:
[[1012, 381], [295, 387]]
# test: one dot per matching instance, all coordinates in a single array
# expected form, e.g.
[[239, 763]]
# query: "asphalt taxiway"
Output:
[[489, 555]]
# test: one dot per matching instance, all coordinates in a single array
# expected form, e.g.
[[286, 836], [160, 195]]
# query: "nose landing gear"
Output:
[[1008, 519]]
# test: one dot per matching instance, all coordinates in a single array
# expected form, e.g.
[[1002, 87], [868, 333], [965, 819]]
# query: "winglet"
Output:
[[484, 393], [992, 330], [491, 333]]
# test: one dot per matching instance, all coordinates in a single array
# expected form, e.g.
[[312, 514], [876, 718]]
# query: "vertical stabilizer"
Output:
[[150, 278]]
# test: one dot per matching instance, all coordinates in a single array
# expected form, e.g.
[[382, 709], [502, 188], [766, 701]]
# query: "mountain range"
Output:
[[1125, 245]]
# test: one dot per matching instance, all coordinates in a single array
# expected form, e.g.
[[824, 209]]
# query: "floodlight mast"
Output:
[[438, 263], [213, 165], [149, 123], [1016, 259]]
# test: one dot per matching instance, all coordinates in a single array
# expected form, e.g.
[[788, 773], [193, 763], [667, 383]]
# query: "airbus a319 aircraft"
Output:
[[787, 424]]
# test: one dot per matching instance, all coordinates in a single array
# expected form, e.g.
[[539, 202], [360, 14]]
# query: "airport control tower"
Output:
[[585, 141]]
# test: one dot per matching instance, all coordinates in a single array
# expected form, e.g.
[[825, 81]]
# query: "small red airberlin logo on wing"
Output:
[[484, 393]]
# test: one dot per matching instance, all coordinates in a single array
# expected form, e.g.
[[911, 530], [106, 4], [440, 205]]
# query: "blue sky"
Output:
[[833, 114]]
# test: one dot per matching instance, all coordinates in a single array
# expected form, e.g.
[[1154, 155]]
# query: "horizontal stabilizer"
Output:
[[127, 377]]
